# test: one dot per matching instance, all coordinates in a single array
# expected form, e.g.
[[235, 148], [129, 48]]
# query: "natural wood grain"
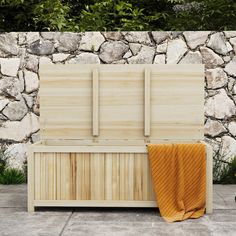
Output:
[[95, 123], [122, 101], [147, 101], [95, 176], [95, 102]]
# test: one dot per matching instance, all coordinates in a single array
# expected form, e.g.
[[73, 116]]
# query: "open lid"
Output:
[[122, 102]]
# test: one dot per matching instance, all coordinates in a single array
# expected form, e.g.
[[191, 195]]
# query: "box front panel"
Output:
[[92, 176]]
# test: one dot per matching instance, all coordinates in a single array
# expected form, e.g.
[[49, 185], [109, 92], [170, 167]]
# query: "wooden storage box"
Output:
[[95, 123]]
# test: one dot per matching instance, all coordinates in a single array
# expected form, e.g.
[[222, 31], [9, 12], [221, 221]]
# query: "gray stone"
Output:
[[230, 68], [230, 34], [226, 58], [85, 58], [192, 58], [127, 54], [20, 222], [234, 88], [216, 78], [29, 100], [160, 59], [9, 66], [220, 106], [210, 59], [122, 61], [35, 137], [217, 42], [21, 81], [31, 81], [59, 57], [32, 63], [11, 87], [232, 128], [229, 47], [19, 130], [3, 103], [17, 155], [32, 37], [45, 61], [113, 35], [214, 128], [228, 150], [68, 42], [50, 35], [231, 83], [13, 201], [176, 34], [160, 36], [112, 51], [145, 56], [221, 216], [36, 106], [2, 118], [196, 38], [175, 50], [22, 55], [233, 42], [41, 47], [161, 48], [22, 38], [91, 41], [8, 44], [138, 37], [8, 197], [135, 48], [15, 110]]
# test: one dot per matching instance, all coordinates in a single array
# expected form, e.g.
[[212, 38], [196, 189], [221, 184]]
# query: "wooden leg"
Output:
[[30, 165], [30, 208], [209, 180]]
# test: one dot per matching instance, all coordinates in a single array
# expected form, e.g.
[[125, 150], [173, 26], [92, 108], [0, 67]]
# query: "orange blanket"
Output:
[[179, 179]]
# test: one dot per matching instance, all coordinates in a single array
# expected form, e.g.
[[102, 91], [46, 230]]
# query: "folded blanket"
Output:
[[179, 179]]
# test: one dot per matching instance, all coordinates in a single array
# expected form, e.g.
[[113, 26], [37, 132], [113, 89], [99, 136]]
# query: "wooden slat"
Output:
[[95, 102], [31, 179], [95, 203], [147, 101]]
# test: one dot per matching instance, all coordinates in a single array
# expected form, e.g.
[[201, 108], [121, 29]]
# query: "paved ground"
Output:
[[14, 220]]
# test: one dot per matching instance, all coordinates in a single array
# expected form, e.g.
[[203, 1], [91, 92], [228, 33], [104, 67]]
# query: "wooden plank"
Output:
[[138, 176], [95, 102], [108, 175], [43, 176], [92, 142], [97, 176], [31, 179], [92, 149], [94, 203], [115, 177], [147, 101], [37, 176], [73, 174], [209, 179], [58, 176]]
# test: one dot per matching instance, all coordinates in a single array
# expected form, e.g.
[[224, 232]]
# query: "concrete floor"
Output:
[[14, 219]]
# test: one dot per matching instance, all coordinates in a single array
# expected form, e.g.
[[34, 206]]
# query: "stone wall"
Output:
[[22, 53]]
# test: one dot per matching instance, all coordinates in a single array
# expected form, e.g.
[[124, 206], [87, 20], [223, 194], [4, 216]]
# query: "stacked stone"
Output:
[[22, 53]]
